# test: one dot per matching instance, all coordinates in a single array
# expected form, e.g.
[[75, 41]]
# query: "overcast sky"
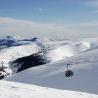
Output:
[[47, 18]]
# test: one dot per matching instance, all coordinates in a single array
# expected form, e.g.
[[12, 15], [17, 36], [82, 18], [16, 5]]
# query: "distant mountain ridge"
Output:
[[9, 41]]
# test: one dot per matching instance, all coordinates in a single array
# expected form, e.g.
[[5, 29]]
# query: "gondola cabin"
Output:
[[68, 73]]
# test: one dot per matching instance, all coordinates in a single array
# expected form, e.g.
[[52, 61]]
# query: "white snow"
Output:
[[12, 53], [68, 50], [82, 55], [62, 52], [20, 90], [83, 45], [84, 64]]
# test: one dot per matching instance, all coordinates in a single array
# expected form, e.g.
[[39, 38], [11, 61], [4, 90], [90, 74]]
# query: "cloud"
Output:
[[29, 28], [89, 24], [96, 11], [38, 9], [93, 3]]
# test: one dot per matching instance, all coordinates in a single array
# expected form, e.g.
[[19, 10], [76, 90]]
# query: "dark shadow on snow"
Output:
[[29, 61]]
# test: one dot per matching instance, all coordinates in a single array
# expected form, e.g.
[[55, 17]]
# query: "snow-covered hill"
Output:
[[83, 62], [51, 53], [20, 90], [10, 54], [84, 66]]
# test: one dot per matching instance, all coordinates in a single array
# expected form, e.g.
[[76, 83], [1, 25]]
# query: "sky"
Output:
[[58, 18]]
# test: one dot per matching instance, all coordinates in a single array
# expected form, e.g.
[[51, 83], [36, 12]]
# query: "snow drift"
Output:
[[20, 90]]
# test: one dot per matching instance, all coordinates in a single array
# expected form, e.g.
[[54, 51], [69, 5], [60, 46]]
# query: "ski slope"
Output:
[[84, 64], [20, 90], [81, 55]]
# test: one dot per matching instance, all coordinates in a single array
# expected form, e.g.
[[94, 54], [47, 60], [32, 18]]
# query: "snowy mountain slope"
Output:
[[19, 90], [84, 66], [50, 54], [9, 41], [81, 55], [71, 48], [12, 53], [67, 47]]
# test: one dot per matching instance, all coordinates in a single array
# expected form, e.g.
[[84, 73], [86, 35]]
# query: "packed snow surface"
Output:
[[80, 55], [20, 90]]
